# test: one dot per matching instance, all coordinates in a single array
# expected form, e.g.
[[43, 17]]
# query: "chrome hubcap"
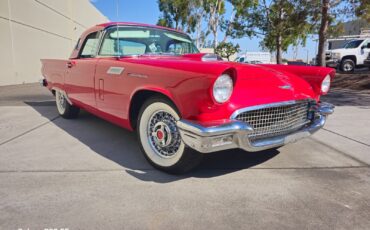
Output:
[[347, 67], [163, 135], [61, 100]]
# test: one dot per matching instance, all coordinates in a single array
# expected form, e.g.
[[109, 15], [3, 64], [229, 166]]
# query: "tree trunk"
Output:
[[279, 59], [215, 37], [216, 17], [199, 17], [230, 26], [323, 32]]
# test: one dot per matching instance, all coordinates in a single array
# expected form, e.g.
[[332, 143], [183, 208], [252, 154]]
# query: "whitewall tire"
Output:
[[160, 139], [65, 109]]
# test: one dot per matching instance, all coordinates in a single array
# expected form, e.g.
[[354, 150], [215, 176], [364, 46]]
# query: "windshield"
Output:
[[143, 40], [353, 44]]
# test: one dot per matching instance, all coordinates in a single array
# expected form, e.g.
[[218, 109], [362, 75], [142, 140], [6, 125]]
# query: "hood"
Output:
[[254, 84], [263, 85], [341, 50]]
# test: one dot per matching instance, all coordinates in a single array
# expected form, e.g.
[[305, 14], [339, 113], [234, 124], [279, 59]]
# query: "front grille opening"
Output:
[[276, 121]]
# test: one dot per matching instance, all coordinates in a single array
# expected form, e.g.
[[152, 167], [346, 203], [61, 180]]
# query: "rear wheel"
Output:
[[65, 109], [160, 138], [347, 66]]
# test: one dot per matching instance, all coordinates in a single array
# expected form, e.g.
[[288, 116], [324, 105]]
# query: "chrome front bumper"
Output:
[[333, 63], [234, 134]]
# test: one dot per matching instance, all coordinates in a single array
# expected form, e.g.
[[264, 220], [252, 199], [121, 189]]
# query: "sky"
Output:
[[146, 11]]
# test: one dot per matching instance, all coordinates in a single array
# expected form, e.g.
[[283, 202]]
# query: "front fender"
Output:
[[314, 75]]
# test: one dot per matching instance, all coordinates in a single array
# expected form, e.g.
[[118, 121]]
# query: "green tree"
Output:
[[204, 17], [215, 9], [281, 23], [197, 15], [362, 9], [240, 10], [237, 25], [175, 14], [227, 49], [327, 17]]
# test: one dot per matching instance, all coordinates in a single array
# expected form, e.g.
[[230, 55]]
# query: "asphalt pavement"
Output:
[[89, 174]]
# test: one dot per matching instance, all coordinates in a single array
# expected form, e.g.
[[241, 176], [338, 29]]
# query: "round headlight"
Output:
[[223, 88], [325, 85]]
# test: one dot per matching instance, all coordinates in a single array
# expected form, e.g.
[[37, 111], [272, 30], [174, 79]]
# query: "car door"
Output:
[[79, 80], [365, 50], [113, 81]]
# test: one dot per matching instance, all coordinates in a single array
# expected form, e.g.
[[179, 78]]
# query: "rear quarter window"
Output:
[[90, 45]]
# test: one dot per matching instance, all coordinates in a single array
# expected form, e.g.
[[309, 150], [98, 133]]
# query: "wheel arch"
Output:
[[351, 57], [141, 95]]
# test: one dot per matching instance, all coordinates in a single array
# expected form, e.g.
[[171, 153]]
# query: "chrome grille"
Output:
[[276, 120]]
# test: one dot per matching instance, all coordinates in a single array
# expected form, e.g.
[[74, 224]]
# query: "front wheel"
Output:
[[160, 138], [347, 66]]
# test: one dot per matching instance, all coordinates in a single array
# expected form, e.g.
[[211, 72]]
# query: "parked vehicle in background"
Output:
[[367, 61], [255, 58], [353, 54], [252, 62], [183, 103], [300, 63]]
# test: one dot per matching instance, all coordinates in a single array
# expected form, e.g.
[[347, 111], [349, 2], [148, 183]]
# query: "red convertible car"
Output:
[[183, 103]]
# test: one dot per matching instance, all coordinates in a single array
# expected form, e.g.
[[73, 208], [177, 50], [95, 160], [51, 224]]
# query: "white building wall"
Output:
[[36, 29]]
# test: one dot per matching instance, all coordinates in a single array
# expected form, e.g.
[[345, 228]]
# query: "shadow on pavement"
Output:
[[344, 97], [121, 147]]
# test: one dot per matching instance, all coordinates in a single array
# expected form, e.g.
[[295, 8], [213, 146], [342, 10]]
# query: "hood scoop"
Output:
[[211, 57], [203, 57]]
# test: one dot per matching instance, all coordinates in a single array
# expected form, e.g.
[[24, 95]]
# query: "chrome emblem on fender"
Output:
[[285, 87], [137, 75], [115, 70]]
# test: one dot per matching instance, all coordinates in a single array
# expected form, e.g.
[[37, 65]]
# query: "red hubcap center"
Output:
[[160, 134]]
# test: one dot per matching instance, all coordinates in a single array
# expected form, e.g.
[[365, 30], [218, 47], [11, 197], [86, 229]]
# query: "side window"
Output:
[[132, 48], [179, 48], [90, 45], [175, 48], [367, 44]]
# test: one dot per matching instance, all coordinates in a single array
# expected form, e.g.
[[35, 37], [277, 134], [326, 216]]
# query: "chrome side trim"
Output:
[[115, 70], [138, 75]]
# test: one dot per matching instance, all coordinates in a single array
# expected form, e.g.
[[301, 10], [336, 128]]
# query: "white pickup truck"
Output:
[[353, 54]]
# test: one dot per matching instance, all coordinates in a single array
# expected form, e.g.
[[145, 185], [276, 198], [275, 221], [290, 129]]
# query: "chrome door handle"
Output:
[[70, 64]]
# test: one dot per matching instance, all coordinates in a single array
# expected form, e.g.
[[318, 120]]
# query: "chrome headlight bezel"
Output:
[[223, 88], [325, 84], [335, 55]]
